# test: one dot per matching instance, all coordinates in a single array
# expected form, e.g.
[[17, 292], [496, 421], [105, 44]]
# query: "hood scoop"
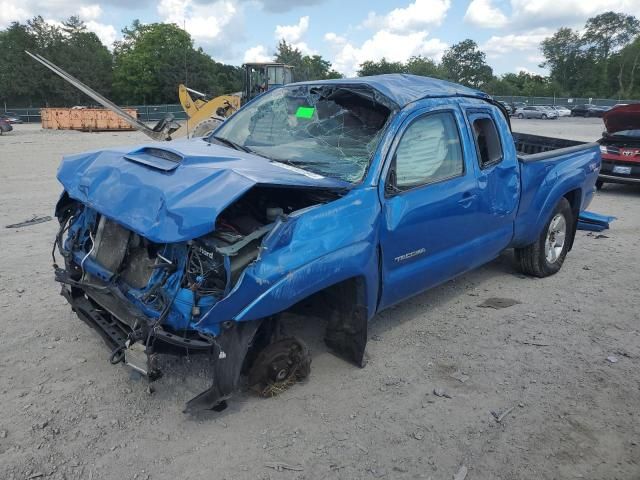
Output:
[[154, 157]]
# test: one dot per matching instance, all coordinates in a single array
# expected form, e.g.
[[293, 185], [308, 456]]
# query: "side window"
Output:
[[429, 151], [487, 141]]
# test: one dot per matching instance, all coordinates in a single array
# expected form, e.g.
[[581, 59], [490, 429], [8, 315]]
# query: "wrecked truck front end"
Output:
[[198, 247]]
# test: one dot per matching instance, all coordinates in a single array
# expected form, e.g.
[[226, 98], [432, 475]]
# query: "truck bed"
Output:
[[536, 147]]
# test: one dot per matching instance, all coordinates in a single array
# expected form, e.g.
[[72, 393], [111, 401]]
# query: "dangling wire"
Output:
[[93, 245]]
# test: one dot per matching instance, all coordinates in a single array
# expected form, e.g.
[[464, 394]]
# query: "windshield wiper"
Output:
[[232, 144]]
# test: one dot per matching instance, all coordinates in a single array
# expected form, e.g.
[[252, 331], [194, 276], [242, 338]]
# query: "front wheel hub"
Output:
[[280, 365]]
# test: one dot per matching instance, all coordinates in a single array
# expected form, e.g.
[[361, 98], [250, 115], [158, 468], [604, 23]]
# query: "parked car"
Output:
[[588, 110], [536, 112], [10, 117], [620, 146], [5, 126], [562, 111], [355, 193], [507, 107]]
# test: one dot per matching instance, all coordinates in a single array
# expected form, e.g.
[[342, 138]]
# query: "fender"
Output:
[[357, 260], [545, 184]]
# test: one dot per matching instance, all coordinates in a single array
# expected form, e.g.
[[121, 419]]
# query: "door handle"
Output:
[[467, 199]]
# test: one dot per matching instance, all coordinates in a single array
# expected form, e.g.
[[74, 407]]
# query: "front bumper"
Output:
[[607, 174], [120, 323], [227, 352]]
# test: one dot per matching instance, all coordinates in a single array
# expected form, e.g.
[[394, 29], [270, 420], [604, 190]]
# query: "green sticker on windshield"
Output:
[[305, 112]]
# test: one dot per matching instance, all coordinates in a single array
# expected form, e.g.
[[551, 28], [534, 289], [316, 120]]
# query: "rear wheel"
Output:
[[544, 116], [599, 184], [520, 116], [546, 255]]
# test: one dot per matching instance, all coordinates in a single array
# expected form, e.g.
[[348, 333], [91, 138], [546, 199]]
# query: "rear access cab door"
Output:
[[439, 208]]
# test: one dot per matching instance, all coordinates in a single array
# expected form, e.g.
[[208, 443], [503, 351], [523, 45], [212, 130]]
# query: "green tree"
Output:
[[563, 53], [426, 67], [305, 67], [465, 63], [627, 64], [72, 47], [151, 61], [381, 67], [606, 33]]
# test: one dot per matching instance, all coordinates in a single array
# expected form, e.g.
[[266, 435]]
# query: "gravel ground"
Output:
[[65, 413]]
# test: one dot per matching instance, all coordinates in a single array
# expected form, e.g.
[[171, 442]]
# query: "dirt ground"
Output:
[[66, 413]]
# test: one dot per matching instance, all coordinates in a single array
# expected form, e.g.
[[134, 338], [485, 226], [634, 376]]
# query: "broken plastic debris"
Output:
[[612, 359], [34, 221], [462, 473]]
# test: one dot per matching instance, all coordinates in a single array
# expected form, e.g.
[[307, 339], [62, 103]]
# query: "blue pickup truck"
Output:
[[358, 193]]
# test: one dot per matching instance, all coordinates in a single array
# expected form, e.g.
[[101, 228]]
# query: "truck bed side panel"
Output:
[[545, 179]]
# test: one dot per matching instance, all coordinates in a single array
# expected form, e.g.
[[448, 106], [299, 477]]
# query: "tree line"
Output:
[[147, 64]]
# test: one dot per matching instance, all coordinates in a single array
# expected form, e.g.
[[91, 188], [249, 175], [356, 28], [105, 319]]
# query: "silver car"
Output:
[[536, 112], [561, 111]]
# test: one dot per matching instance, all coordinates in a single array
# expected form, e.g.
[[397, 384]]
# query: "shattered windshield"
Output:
[[328, 130]]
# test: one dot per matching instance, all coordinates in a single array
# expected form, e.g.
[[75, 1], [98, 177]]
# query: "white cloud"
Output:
[[205, 22], [555, 13], [106, 33], [292, 33], [499, 45], [334, 38], [415, 17], [392, 46], [257, 54], [10, 12], [90, 12], [482, 13]]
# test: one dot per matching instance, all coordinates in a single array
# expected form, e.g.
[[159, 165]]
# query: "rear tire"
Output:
[[599, 184], [520, 116], [544, 116], [546, 255]]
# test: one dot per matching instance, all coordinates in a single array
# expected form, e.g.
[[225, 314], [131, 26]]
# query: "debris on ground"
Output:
[[534, 344], [281, 467], [594, 221], [462, 473], [498, 303], [460, 376], [441, 392], [500, 416], [612, 359], [27, 223], [418, 434]]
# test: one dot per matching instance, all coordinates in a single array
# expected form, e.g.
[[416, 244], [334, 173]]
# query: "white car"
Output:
[[561, 111], [536, 112]]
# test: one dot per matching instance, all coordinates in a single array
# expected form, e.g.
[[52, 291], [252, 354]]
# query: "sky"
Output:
[[345, 32]]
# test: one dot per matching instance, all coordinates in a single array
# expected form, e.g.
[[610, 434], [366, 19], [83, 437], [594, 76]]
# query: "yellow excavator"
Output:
[[204, 114]]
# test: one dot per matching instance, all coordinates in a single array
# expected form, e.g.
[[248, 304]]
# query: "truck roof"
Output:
[[403, 89]]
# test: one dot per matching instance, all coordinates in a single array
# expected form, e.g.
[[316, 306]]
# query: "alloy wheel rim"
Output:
[[556, 237]]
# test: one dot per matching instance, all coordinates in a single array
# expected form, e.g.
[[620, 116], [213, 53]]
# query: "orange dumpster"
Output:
[[84, 119]]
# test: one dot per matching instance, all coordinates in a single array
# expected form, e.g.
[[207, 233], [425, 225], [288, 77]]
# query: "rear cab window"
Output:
[[486, 139]]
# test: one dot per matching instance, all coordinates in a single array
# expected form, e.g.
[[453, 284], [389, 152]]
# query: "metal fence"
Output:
[[564, 101], [146, 113], [153, 113]]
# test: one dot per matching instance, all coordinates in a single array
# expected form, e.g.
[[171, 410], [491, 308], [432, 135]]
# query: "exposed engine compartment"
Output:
[[175, 284]]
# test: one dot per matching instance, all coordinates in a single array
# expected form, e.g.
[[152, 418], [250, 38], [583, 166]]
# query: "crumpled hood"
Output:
[[173, 193], [624, 117]]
